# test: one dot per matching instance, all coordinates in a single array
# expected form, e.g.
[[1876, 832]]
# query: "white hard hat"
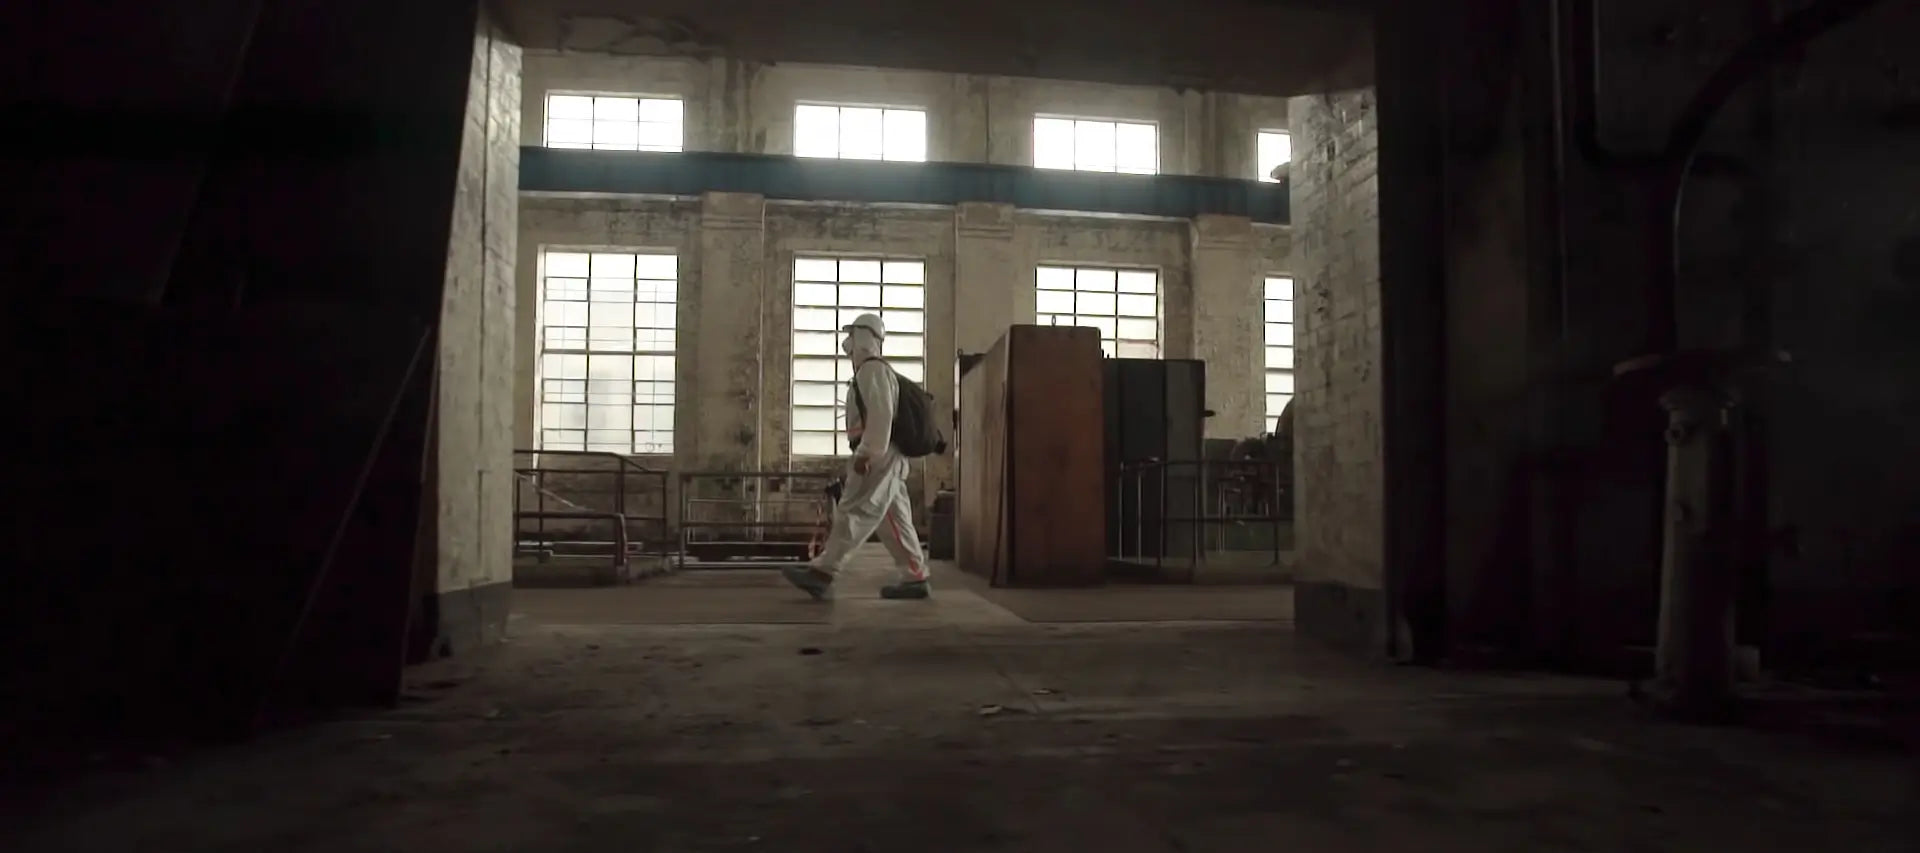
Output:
[[870, 322]]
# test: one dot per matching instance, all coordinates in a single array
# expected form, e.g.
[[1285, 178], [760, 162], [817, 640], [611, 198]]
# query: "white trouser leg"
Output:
[[896, 530], [862, 507]]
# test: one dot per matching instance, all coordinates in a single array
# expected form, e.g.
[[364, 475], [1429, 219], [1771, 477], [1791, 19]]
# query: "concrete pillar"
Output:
[[475, 391], [1340, 508], [988, 283], [1227, 330], [721, 424]]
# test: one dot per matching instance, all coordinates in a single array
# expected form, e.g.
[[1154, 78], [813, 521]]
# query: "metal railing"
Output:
[[775, 517], [1182, 507], [633, 531]]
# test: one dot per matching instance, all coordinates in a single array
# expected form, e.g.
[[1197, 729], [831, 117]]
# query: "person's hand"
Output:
[[860, 464]]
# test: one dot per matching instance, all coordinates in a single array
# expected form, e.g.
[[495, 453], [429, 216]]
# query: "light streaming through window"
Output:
[[1275, 147], [1123, 304], [613, 123], [1279, 340], [607, 351], [827, 294], [1096, 146], [859, 133]]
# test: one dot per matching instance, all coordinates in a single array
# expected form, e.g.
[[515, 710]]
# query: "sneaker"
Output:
[[906, 589], [809, 581]]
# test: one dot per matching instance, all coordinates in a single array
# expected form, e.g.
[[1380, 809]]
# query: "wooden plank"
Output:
[[1055, 417], [980, 533]]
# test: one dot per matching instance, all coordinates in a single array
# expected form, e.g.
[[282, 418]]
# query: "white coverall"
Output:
[[876, 500]]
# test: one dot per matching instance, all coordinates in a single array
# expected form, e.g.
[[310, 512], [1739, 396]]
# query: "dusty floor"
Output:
[[957, 725]]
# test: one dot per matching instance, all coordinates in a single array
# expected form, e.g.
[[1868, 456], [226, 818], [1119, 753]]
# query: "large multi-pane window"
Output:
[[1279, 339], [1124, 304], [1096, 146], [1273, 147], [828, 293], [606, 350], [859, 133], [613, 122]]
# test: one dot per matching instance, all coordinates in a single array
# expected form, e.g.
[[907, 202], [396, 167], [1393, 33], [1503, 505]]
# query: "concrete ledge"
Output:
[[469, 619], [1351, 619]]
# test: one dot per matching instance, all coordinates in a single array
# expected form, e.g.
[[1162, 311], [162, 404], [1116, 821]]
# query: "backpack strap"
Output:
[[859, 403], [854, 383]]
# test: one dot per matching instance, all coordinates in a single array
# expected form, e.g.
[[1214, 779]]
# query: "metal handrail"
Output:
[[623, 469], [1137, 474], [756, 525]]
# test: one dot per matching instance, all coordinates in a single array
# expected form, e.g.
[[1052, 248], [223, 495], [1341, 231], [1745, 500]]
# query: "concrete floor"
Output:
[[956, 725]]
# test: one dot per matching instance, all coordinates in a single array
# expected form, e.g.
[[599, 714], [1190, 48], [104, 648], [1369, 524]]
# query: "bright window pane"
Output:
[[1090, 145], [1274, 148], [816, 131], [1279, 344], [829, 293], [571, 132], [662, 110], [626, 110], [1136, 149], [1093, 146], [859, 133], [569, 107], [1097, 297], [614, 122], [607, 343], [1052, 143], [905, 135]]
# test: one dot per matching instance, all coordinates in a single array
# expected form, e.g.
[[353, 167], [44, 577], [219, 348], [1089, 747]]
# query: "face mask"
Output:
[[846, 344]]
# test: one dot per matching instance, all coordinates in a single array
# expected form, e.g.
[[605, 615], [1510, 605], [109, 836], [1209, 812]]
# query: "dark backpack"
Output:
[[914, 431]]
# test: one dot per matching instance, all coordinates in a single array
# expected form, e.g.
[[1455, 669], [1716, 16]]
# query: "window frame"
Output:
[[1158, 295], [1266, 176], [633, 399], [926, 131], [546, 118], [1033, 149], [1267, 347], [916, 366]]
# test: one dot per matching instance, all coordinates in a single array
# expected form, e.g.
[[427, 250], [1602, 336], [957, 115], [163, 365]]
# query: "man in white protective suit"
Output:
[[874, 498]]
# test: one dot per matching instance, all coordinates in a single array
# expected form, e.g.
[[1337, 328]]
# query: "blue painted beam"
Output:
[[792, 178]]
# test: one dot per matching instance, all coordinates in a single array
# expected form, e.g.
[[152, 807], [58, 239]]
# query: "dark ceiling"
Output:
[[1266, 47]]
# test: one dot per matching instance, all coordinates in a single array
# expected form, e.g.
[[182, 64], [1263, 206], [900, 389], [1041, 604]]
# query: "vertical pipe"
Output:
[[1273, 509], [1160, 547], [1197, 529], [1694, 662], [1139, 538], [681, 559], [540, 487]]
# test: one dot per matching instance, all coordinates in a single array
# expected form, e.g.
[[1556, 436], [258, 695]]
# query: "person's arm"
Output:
[[880, 392]]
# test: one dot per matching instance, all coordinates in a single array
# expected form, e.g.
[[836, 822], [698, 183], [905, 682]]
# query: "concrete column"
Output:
[[721, 424], [1227, 330], [988, 284], [1340, 503], [474, 417]]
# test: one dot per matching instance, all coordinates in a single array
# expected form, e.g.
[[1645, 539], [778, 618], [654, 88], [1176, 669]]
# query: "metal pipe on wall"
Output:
[[1694, 659]]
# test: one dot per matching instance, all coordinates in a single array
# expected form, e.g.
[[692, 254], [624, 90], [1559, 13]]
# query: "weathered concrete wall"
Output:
[[1341, 484], [739, 106], [1225, 278], [734, 369], [477, 343]]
